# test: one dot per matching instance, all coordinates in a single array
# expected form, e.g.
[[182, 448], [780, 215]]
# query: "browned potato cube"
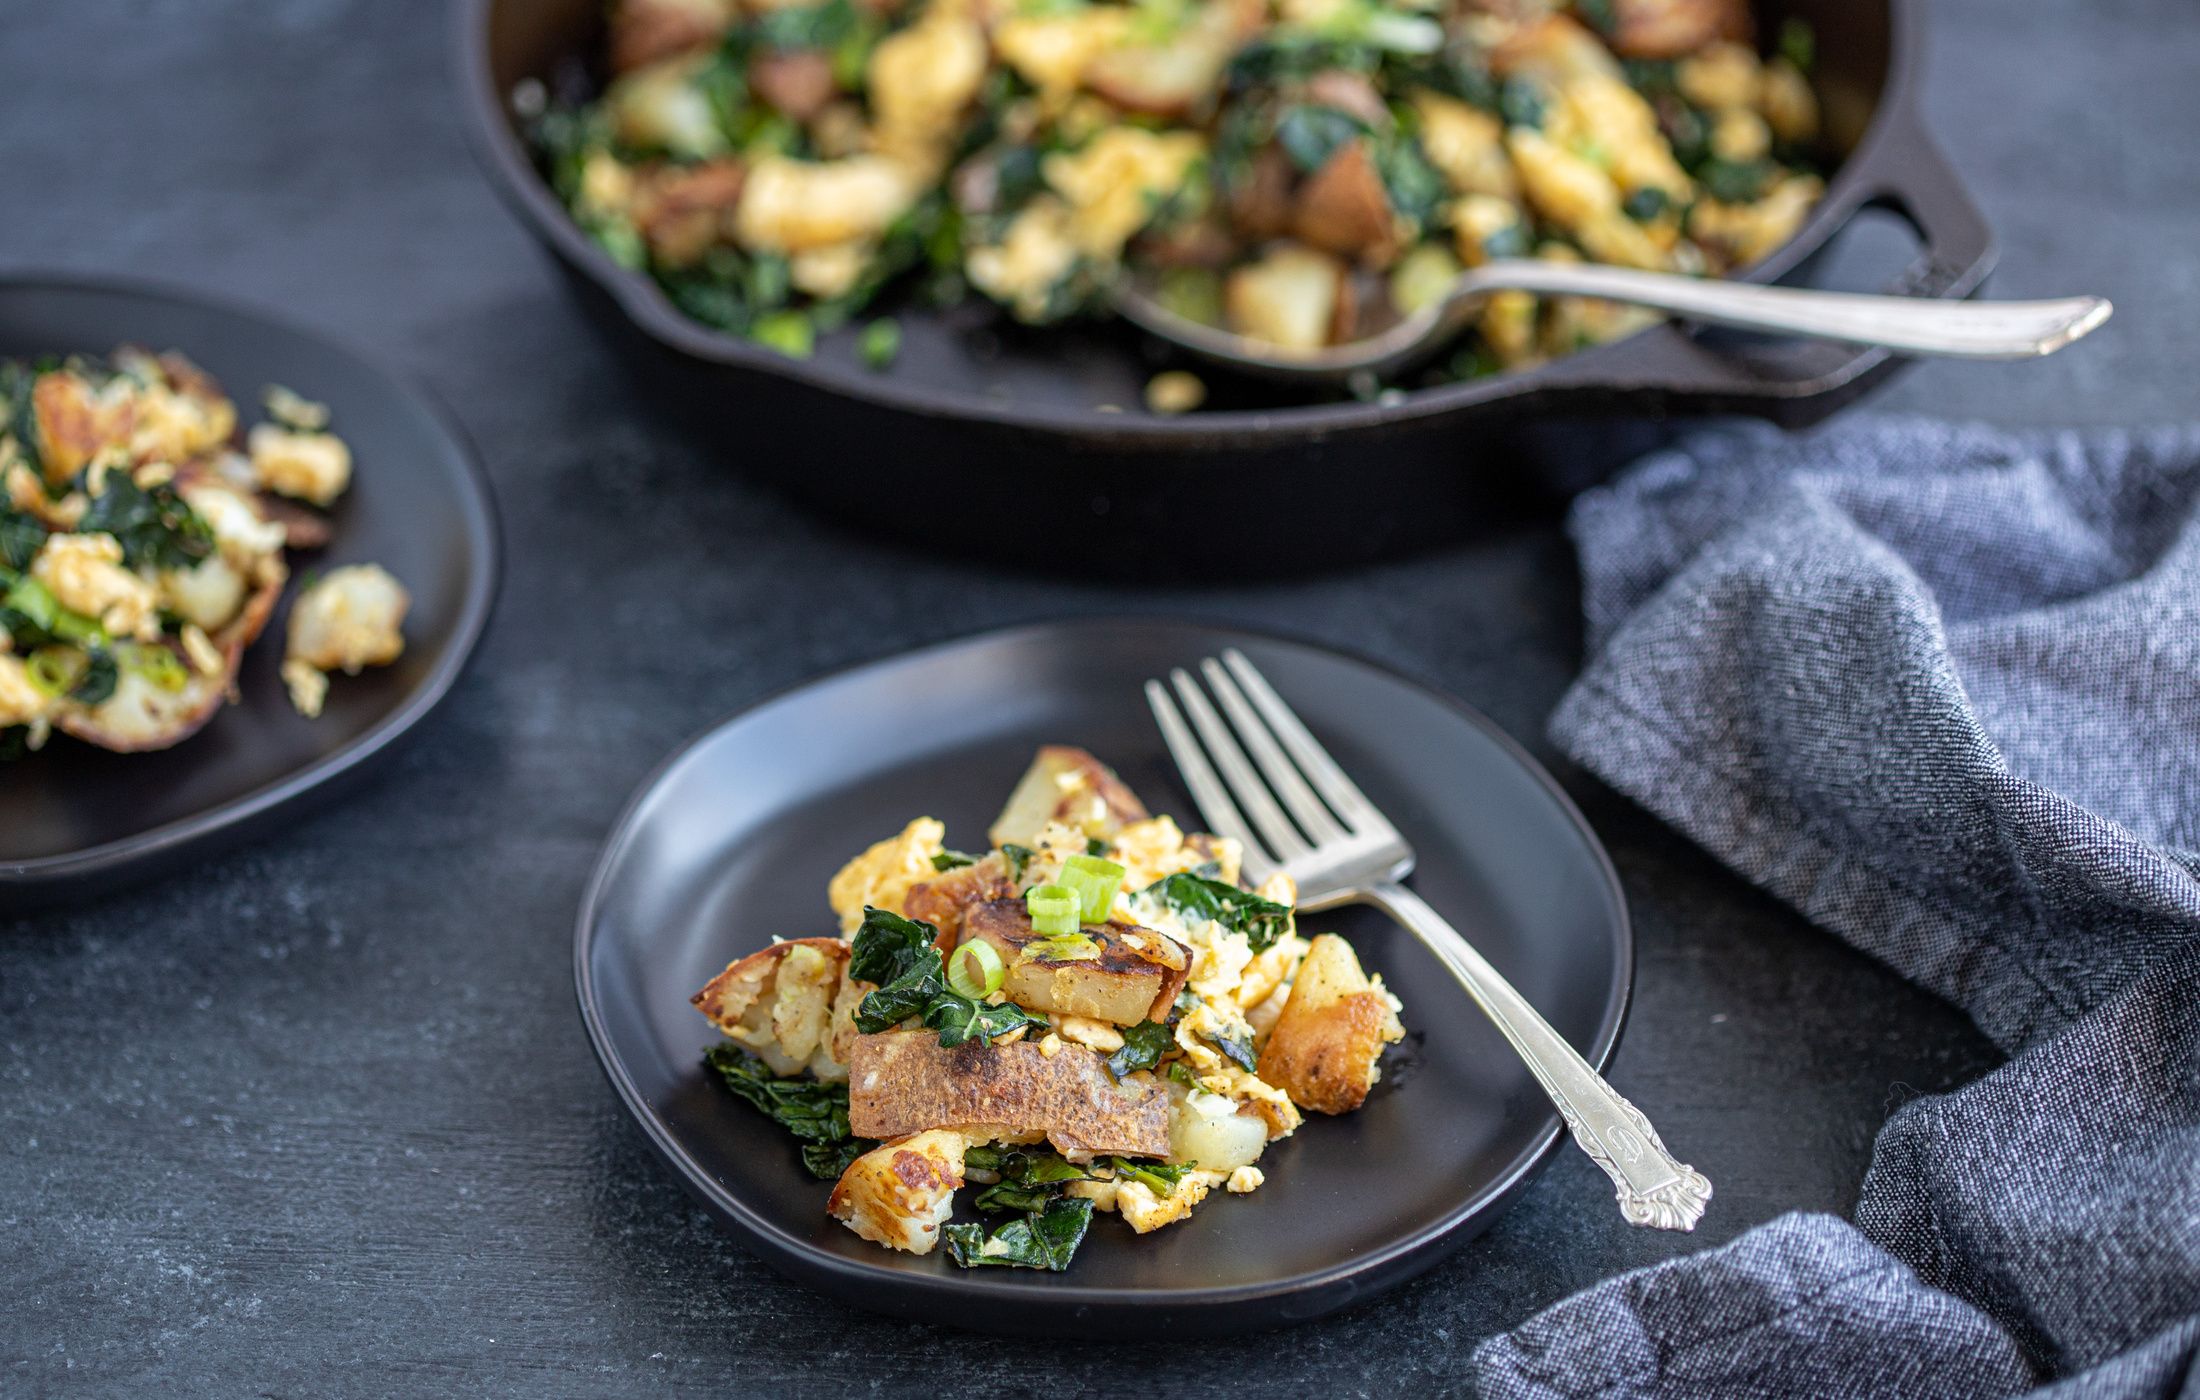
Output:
[[1332, 1031], [1069, 786], [1135, 977]]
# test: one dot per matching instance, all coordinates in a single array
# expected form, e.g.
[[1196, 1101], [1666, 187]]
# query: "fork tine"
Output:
[[1313, 818], [1349, 802], [1251, 794], [1221, 814]]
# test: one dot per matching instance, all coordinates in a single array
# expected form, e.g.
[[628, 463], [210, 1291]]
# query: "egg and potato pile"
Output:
[[1133, 1064], [143, 548], [1300, 171]]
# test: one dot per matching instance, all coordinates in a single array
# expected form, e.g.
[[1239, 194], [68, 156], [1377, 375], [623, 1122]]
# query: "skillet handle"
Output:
[[1798, 383]]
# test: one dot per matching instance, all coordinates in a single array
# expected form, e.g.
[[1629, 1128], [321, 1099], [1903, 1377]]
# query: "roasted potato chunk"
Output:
[[905, 1082], [943, 900], [1324, 1048], [1070, 786], [900, 1194], [790, 1003], [1137, 973]]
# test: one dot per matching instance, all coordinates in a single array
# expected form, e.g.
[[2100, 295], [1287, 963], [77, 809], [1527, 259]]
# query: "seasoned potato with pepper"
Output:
[[1119, 973]]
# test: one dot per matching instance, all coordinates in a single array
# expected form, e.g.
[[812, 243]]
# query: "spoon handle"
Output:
[[1971, 330]]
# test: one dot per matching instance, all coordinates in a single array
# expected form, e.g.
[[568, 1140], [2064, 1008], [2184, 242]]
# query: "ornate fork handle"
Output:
[[1653, 1189]]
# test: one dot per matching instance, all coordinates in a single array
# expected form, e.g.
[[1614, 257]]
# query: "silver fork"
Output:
[[1341, 850]]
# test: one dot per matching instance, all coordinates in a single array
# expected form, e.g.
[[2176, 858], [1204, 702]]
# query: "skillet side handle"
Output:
[[1794, 383]]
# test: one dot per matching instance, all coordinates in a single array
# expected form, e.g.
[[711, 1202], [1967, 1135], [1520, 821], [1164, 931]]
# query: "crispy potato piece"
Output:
[[643, 31], [1343, 208], [904, 1082], [788, 1003], [1181, 75], [1070, 786], [1332, 1031], [943, 900], [1676, 28], [900, 1194], [1135, 978], [1290, 298], [140, 717]]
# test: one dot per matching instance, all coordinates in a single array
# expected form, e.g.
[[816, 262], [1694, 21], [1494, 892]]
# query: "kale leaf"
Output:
[[1310, 135], [1045, 1239], [1028, 1179], [21, 537], [1238, 1050], [1159, 1176], [1018, 857], [100, 678], [951, 860], [815, 1113], [155, 525], [897, 955], [1262, 921], [1143, 1046]]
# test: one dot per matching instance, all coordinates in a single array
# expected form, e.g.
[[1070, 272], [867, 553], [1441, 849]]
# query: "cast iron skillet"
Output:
[[734, 838], [982, 429], [77, 820]]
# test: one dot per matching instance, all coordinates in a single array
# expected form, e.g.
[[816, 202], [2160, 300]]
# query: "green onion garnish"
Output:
[[1053, 909], [56, 670], [157, 664], [29, 597], [789, 332], [1094, 881], [879, 343], [974, 970]]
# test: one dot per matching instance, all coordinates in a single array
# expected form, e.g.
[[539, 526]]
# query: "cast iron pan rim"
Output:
[[646, 305], [1393, 1263], [483, 580]]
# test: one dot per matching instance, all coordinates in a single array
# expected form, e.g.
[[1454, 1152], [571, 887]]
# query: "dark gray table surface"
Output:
[[319, 1116]]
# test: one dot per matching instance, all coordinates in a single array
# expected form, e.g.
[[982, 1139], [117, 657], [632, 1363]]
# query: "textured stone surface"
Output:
[[319, 1116]]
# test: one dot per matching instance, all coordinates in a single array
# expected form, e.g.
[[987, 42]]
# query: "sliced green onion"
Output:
[[974, 970], [879, 342], [788, 332], [56, 670], [1094, 881], [1053, 909], [29, 597], [157, 664], [1065, 947]]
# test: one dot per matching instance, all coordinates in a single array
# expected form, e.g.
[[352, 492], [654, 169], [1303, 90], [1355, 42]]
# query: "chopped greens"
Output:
[[951, 860], [1044, 1239], [1262, 921], [899, 957], [1157, 1176], [1143, 1046], [1028, 1179], [815, 1113], [1018, 857], [155, 526]]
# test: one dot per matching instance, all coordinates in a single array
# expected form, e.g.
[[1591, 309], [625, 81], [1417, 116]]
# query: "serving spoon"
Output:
[[1967, 330]]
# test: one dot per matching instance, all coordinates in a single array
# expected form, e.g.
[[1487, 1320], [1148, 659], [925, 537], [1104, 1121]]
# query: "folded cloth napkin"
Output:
[[1937, 687]]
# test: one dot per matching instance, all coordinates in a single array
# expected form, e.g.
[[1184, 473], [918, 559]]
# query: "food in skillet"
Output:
[[143, 549], [1300, 171], [1092, 1015]]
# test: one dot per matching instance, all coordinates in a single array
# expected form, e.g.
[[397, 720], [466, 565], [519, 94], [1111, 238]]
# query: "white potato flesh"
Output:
[[1288, 298], [1208, 1130]]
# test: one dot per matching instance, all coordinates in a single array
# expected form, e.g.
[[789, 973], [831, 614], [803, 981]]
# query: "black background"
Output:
[[318, 1116]]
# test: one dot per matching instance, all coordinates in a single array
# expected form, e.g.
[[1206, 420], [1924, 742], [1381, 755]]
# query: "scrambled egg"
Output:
[[85, 574], [882, 875]]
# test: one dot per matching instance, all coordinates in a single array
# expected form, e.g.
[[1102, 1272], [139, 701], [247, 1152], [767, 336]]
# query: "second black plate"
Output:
[[732, 843], [76, 819]]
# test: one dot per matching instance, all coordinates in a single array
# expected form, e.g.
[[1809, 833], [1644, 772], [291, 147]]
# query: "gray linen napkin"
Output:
[[1938, 687]]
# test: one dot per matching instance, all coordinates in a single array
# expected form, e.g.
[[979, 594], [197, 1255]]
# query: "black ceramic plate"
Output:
[[74, 818], [733, 840]]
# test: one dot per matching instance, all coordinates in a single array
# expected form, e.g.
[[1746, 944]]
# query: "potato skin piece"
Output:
[[903, 1082], [1332, 1031], [1124, 985], [726, 998]]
